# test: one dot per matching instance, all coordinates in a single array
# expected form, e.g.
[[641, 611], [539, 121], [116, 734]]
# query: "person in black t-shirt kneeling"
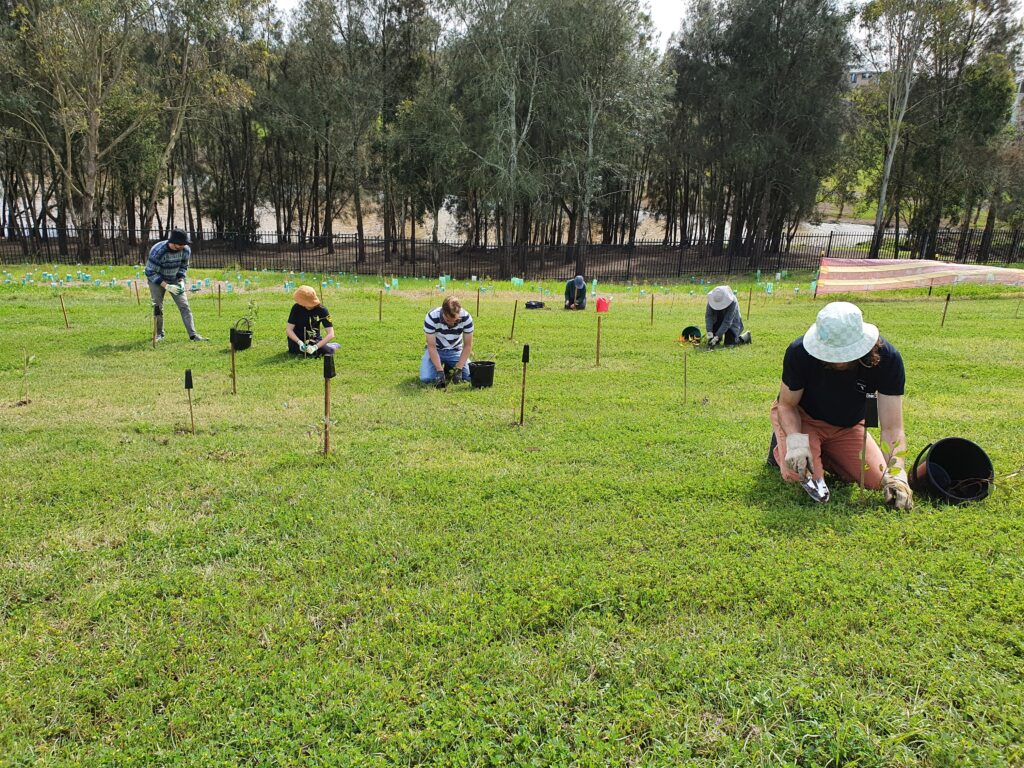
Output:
[[818, 418], [304, 322]]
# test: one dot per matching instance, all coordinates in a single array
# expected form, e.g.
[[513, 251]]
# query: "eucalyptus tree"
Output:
[[71, 63], [605, 81], [895, 31], [503, 74], [961, 102]]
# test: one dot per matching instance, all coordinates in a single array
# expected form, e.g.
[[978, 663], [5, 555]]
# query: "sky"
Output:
[[665, 14]]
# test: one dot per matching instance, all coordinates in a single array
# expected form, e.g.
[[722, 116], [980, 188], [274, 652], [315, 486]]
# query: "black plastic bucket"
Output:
[[241, 335], [954, 470], [481, 374]]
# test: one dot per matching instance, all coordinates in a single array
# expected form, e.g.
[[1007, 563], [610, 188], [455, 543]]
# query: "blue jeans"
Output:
[[449, 357]]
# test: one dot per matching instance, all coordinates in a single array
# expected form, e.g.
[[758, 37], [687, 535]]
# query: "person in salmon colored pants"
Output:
[[818, 418]]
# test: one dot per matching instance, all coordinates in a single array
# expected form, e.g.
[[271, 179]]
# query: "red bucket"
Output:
[[602, 305]]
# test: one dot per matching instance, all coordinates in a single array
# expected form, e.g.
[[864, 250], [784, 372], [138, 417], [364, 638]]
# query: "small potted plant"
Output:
[[241, 333]]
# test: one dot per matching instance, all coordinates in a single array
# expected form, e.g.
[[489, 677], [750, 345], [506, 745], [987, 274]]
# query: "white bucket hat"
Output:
[[721, 297], [839, 334]]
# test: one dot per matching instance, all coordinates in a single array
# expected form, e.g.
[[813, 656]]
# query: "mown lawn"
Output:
[[620, 582]]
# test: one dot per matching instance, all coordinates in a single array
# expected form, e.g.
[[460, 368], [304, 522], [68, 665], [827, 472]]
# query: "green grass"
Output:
[[620, 582]]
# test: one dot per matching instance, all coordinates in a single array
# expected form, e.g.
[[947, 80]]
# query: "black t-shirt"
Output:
[[838, 397], [307, 324]]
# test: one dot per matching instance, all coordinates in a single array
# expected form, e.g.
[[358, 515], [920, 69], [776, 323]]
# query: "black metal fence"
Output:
[[644, 260]]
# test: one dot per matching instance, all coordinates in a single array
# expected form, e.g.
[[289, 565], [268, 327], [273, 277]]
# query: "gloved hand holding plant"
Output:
[[896, 490]]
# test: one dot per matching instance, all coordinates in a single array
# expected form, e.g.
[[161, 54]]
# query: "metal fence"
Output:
[[643, 260]]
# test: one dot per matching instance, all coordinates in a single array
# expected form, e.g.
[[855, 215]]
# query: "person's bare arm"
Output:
[[789, 413], [890, 419], [289, 329], [328, 335]]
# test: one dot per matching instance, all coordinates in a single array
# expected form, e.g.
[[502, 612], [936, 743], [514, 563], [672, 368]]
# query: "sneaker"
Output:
[[771, 452], [197, 337]]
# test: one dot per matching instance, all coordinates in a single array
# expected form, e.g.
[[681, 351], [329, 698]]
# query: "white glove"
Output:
[[896, 490], [310, 349], [712, 341], [176, 288], [798, 454]]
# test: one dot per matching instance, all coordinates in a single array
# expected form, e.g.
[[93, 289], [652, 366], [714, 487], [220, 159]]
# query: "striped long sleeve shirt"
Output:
[[165, 264]]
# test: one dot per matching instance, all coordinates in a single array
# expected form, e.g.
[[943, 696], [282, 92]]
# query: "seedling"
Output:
[[380, 306], [652, 309], [29, 359]]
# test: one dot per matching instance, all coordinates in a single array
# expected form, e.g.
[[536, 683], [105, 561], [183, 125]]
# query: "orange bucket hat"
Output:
[[305, 296]]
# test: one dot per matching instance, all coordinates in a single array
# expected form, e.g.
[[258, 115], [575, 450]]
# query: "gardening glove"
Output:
[[456, 375], [712, 341], [896, 491], [310, 349], [439, 380], [798, 454]]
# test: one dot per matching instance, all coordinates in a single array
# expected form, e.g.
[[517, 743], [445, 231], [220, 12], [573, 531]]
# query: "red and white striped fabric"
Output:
[[857, 275]]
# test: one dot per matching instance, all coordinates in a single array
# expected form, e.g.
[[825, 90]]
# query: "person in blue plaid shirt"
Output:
[[166, 269]]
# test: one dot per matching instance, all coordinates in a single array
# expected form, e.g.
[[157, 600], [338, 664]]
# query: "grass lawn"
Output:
[[620, 582]]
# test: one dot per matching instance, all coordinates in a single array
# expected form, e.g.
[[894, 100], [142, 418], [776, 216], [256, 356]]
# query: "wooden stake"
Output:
[[234, 380], [515, 309], [599, 340], [522, 398], [750, 297], [191, 415], [931, 284], [137, 299], [218, 299], [478, 301], [65, 311], [380, 306], [944, 310], [652, 309], [327, 416], [1016, 314]]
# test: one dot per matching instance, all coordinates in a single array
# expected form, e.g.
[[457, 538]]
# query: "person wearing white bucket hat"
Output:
[[722, 318], [818, 418]]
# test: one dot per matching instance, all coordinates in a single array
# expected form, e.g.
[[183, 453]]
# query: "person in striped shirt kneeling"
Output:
[[449, 333]]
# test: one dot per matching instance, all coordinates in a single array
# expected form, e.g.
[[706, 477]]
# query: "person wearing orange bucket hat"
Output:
[[818, 418], [304, 323]]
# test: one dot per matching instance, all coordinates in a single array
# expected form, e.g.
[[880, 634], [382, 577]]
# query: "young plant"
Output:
[[890, 466], [29, 359], [252, 311]]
